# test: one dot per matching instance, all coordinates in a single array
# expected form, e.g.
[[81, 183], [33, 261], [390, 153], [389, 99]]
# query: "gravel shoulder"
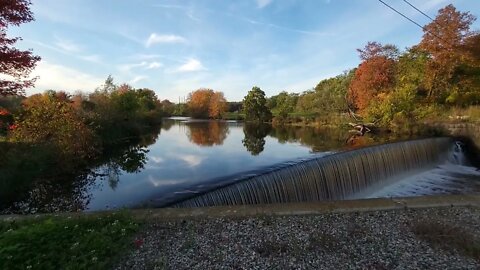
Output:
[[389, 239]]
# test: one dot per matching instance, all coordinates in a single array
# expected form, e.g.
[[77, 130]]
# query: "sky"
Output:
[[176, 47]]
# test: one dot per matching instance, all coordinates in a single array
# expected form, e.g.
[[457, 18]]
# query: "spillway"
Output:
[[351, 174]]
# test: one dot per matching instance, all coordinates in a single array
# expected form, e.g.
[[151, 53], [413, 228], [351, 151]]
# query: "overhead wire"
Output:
[[411, 20], [417, 9]]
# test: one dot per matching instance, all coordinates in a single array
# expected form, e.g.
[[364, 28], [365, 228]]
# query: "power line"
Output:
[[414, 22], [401, 14], [410, 4]]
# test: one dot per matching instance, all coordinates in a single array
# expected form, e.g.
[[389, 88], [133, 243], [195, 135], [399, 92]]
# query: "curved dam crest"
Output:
[[423, 166]]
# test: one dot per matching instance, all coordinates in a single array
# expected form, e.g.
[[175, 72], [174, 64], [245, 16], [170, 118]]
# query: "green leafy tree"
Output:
[[254, 140], [254, 106], [282, 104], [54, 122]]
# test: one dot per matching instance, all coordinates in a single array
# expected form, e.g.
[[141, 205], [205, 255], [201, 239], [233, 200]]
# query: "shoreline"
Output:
[[285, 209]]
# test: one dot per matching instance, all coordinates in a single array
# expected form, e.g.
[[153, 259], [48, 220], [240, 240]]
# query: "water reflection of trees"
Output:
[[36, 188], [317, 138], [254, 140], [207, 133]]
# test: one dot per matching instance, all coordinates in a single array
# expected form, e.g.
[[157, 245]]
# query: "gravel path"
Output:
[[365, 240]]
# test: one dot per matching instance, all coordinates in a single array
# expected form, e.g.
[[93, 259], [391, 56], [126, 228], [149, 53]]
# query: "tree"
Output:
[[254, 140], [48, 120], [14, 63], [206, 103], [443, 39], [217, 106], [254, 106], [282, 104], [374, 76], [214, 134]]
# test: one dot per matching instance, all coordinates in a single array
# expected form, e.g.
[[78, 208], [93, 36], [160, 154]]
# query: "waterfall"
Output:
[[332, 177]]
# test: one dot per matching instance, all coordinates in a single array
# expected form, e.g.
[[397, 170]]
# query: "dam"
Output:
[[417, 167]]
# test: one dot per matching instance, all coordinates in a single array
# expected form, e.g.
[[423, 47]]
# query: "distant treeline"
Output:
[[440, 74]]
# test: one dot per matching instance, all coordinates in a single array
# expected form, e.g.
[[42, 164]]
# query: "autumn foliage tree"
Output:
[[206, 103], [15, 64], [374, 76], [444, 39], [214, 134], [48, 120]]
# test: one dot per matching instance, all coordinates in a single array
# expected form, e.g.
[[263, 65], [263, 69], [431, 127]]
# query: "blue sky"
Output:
[[175, 47]]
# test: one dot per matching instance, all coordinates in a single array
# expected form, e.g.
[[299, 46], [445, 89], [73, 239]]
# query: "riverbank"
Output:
[[428, 232], [427, 238]]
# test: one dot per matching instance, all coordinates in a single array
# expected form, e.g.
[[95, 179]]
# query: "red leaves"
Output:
[[15, 12], [374, 75], [13, 62], [4, 112]]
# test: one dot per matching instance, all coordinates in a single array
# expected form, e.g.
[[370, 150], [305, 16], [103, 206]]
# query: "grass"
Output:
[[233, 116], [447, 237], [65, 243]]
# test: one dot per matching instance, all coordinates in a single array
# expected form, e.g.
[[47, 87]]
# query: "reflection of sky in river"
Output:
[[174, 162]]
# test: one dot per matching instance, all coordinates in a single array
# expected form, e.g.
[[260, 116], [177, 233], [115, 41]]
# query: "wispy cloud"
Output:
[[307, 32], [190, 66], [94, 58], [156, 182], [128, 67], [67, 45], [144, 65], [154, 65], [71, 51], [263, 3], [155, 38], [137, 79], [59, 77], [191, 160]]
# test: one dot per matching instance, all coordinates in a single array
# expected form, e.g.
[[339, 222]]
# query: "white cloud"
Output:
[[156, 182], [94, 58], [157, 160], [155, 38], [68, 45], [191, 160], [137, 79], [128, 67], [263, 3], [191, 65], [154, 65], [58, 77]]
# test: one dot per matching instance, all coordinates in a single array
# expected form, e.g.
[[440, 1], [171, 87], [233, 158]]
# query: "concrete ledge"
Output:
[[287, 209]]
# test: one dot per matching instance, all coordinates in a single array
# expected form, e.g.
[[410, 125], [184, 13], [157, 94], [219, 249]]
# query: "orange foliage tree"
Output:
[[444, 39], [206, 103], [214, 134], [374, 76]]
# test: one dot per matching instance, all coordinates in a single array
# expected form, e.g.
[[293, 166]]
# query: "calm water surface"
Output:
[[178, 157], [190, 152]]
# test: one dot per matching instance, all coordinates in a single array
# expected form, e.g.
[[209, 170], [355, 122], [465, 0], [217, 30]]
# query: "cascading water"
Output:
[[360, 173]]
